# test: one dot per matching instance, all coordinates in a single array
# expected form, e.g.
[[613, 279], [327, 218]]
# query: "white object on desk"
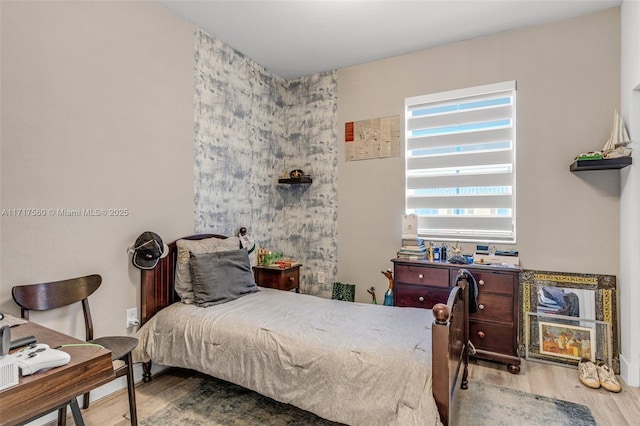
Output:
[[8, 372], [8, 365], [38, 357], [492, 259]]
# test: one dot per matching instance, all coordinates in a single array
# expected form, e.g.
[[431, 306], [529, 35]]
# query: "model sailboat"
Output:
[[616, 146]]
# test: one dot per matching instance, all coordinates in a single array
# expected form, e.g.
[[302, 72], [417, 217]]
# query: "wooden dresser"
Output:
[[493, 329]]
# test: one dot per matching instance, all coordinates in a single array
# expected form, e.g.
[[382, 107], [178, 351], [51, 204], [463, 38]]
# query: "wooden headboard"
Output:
[[156, 285]]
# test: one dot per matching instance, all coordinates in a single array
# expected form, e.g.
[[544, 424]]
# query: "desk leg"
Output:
[[75, 410]]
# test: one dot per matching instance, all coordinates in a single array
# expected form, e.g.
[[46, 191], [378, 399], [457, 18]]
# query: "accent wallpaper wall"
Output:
[[251, 128]]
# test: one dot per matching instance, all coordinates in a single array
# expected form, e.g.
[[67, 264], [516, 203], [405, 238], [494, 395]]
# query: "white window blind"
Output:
[[460, 163]]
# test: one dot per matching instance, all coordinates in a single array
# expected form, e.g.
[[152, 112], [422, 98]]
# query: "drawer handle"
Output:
[[481, 282], [292, 279], [481, 334], [481, 306], [420, 276], [421, 299]]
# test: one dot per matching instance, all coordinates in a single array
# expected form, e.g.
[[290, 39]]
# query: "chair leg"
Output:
[[62, 416], [131, 388], [85, 401]]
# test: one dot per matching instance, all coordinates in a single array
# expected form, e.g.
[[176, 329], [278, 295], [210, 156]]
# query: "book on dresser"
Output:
[[412, 242], [411, 255], [412, 248]]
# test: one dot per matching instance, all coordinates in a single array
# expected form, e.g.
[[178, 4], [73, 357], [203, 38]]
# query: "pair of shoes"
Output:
[[608, 378], [588, 373], [595, 376]]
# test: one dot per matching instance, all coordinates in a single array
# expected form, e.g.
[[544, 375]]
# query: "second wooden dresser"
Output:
[[493, 329]]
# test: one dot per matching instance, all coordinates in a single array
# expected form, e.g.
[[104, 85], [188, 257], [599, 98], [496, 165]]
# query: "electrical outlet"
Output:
[[132, 317], [321, 277]]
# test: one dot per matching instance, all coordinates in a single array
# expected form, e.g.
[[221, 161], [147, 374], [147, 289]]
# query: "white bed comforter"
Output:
[[353, 363]]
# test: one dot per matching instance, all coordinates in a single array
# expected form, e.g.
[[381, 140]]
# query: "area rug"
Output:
[[486, 404], [209, 401], [213, 402]]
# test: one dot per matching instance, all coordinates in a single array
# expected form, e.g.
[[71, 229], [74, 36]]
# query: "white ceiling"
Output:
[[298, 38]]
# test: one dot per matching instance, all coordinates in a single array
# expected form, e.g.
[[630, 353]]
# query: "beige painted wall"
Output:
[[97, 113], [568, 81]]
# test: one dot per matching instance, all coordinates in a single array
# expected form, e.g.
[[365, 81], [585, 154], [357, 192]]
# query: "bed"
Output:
[[352, 363]]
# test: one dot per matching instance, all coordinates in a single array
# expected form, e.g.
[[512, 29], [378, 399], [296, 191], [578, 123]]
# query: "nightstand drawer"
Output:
[[438, 277], [494, 282], [417, 296], [496, 307]]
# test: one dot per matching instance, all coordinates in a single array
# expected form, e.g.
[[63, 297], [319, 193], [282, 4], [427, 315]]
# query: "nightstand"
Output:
[[278, 278]]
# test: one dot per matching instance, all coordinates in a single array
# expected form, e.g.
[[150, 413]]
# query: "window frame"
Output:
[[442, 117]]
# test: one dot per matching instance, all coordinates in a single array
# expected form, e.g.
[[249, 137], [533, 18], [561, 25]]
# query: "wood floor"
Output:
[[543, 379]]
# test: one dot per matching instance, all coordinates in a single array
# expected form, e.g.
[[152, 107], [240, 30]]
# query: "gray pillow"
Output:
[[183, 282], [221, 276]]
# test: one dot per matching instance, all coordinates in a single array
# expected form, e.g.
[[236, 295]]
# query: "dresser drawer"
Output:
[[494, 282], [437, 277], [495, 307], [418, 296], [492, 337]]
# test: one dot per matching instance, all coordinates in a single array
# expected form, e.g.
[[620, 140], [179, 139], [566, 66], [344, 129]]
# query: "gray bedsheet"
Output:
[[353, 363]]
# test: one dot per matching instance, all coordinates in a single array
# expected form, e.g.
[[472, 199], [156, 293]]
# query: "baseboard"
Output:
[[629, 372]]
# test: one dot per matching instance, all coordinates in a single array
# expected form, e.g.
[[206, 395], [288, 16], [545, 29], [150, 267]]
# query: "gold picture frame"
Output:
[[596, 300]]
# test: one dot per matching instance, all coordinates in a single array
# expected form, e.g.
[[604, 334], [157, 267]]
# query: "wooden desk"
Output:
[[40, 393]]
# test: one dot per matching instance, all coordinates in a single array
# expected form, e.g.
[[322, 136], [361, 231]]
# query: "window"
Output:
[[460, 163]]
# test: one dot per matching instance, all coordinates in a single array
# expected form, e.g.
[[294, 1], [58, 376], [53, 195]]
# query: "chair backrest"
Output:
[[53, 295]]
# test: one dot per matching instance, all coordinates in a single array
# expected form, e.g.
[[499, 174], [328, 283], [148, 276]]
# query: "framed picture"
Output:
[[566, 341], [561, 339], [572, 298]]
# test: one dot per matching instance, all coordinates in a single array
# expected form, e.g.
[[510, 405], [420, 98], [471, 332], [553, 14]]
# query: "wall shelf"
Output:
[[604, 164], [296, 181]]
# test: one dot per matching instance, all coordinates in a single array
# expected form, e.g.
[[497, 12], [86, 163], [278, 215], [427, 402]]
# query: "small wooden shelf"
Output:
[[604, 164], [296, 181]]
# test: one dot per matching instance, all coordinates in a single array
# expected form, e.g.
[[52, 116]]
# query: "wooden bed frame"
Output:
[[450, 330]]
